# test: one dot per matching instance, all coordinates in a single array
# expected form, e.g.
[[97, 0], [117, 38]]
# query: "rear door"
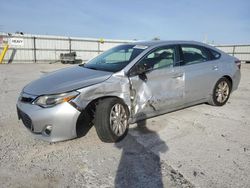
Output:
[[201, 72], [161, 87]]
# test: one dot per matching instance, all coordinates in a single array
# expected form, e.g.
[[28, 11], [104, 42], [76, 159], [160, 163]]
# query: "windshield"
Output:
[[116, 58]]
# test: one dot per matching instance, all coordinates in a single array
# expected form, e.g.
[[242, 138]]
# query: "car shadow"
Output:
[[138, 166]]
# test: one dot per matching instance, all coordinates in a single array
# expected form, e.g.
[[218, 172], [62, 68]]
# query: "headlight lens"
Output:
[[52, 100]]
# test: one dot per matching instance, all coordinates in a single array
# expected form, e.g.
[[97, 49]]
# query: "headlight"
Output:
[[52, 100]]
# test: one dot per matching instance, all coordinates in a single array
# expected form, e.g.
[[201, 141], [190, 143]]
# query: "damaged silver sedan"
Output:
[[125, 84]]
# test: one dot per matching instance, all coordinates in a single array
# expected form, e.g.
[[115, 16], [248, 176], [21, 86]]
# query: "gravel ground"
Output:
[[201, 146]]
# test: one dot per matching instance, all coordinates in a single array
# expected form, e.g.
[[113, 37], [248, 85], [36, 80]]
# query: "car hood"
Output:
[[65, 80]]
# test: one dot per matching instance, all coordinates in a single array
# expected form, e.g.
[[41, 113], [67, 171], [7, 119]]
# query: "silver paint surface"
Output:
[[65, 80]]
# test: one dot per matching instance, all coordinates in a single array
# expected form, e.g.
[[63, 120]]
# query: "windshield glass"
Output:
[[116, 58]]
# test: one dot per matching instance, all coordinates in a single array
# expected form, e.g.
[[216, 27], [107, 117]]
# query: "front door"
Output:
[[161, 87]]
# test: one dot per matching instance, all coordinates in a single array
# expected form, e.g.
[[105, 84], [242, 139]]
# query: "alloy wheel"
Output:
[[222, 92], [118, 119]]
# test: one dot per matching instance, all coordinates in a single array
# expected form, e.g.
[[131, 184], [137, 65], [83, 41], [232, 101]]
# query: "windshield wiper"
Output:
[[93, 68]]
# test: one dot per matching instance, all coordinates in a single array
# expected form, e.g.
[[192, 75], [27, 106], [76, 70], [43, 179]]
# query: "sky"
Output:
[[214, 21]]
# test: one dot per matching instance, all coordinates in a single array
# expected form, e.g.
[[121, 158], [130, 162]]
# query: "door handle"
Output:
[[177, 75], [215, 67]]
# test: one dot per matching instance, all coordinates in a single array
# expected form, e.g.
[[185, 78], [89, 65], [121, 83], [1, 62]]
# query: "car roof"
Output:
[[168, 42]]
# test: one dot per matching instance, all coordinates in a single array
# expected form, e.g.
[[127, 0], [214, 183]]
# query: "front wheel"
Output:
[[221, 92], [111, 120]]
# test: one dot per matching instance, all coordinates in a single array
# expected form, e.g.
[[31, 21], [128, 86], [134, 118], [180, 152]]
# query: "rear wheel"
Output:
[[111, 120], [221, 92]]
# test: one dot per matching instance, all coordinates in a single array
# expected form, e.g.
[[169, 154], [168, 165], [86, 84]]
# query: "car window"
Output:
[[159, 58], [193, 54], [116, 58], [215, 55], [122, 55]]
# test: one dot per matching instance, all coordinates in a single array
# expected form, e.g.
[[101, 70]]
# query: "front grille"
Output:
[[25, 119]]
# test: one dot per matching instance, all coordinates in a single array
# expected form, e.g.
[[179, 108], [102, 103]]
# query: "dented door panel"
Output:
[[162, 90]]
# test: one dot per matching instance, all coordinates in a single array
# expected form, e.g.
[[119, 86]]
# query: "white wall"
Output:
[[45, 49], [242, 52]]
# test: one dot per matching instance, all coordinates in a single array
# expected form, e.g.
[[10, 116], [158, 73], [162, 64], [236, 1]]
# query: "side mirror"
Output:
[[141, 68]]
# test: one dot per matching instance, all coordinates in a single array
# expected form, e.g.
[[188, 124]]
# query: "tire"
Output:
[[110, 125], [221, 92]]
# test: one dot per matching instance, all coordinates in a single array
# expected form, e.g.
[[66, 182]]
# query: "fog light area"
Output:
[[47, 130]]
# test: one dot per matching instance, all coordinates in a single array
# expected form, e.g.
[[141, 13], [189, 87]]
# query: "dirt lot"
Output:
[[201, 146]]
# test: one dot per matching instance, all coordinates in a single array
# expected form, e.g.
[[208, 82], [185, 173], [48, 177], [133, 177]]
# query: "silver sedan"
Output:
[[126, 84]]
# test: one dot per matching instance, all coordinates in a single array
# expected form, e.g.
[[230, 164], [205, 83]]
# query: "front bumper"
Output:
[[61, 118]]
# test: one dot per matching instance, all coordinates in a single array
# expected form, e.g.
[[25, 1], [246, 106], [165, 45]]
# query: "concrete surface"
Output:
[[200, 146]]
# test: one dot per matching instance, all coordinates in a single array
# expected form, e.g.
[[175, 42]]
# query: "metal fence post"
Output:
[[233, 50], [69, 45], [34, 50], [98, 43]]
